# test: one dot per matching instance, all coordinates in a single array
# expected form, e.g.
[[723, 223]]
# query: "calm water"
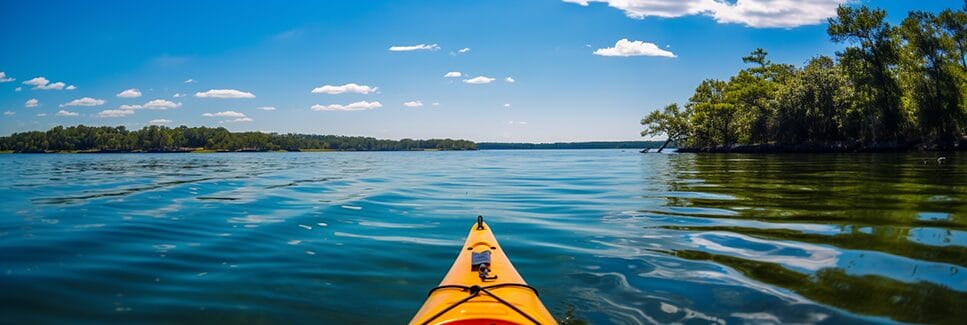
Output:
[[608, 236]]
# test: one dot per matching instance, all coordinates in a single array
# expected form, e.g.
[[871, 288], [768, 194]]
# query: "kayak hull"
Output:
[[463, 297]]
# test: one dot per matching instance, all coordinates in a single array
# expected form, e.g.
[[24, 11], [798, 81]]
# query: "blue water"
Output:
[[353, 237]]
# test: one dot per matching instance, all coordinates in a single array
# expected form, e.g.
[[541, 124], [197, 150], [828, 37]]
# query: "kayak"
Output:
[[482, 287]]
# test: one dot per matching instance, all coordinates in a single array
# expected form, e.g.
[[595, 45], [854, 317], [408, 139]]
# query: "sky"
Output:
[[503, 70]]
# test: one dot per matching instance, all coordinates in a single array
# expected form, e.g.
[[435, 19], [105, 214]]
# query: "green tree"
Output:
[[671, 122], [713, 118], [870, 66]]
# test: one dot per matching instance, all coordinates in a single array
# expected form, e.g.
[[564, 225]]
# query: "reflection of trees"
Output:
[[873, 198], [920, 302], [853, 240]]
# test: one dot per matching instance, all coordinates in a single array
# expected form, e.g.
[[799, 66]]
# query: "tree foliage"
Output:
[[892, 86], [163, 139]]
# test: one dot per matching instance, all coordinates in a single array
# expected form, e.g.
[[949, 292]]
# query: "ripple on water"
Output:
[[607, 236]]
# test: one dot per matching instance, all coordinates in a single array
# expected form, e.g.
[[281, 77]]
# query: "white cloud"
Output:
[[115, 113], [161, 104], [178, 95], [478, 80], [44, 84], [66, 113], [190, 81], [130, 107], [752, 13], [238, 120], [464, 50], [9, 113], [453, 74], [517, 122], [159, 121], [415, 103], [4, 78], [42, 114], [418, 47], [266, 108], [436, 103], [347, 88], [18, 89], [624, 47], [224, 114], [33, 102], [86, 101], [130, 93], [357, 106], [71, 87], [224, 93], [510, 80], [507, 105]]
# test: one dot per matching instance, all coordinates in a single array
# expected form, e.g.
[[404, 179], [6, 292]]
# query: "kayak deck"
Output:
[[495, 295]]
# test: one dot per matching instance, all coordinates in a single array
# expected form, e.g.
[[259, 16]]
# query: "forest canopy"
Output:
[[898, 87], [163, 139]]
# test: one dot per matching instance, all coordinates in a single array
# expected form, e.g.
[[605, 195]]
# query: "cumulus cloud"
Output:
[[130, 93], [17, 89], [347, 88], [160, 104], [178, 95], [453, 74], [44, 84], [357, 106], [478, 80], [4, 78], [436, 103], [517, 122], [507, 105], [266, 108], [9, 113], [224, 114], [33, 102], [71, 87], [510, 80], [115, 113], [624, 47], [464, 50], [159, 121], [752, 13], [66, 113], [86, 101], [41, 114], [418, 47], [224, 93], [415, 103], [129, 107]]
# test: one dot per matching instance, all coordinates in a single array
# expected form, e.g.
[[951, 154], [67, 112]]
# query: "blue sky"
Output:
[[573, 77]]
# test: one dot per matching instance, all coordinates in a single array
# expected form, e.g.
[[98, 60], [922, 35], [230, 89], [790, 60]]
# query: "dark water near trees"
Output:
[[608, 236]]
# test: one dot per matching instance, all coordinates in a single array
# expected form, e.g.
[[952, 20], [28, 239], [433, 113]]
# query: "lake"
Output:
[[607, 236]]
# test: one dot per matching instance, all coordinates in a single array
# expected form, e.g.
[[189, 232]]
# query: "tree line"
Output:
[[892, 87], [163, 139]]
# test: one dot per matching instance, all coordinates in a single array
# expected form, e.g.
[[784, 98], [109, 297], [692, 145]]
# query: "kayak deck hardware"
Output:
[[480, 262], [475, 291]]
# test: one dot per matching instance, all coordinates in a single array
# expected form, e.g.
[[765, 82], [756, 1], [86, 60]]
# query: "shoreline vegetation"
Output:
[[892, 88], [158, 139]]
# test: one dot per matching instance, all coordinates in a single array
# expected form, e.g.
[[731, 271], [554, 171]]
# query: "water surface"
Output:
[[608, 236]]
